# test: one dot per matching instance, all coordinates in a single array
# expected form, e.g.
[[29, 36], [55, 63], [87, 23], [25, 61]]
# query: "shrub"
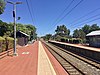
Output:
[[6, 43], [76, 40], [63, 40], [1, 43], [70, 40], [10, 41], [67, 40]]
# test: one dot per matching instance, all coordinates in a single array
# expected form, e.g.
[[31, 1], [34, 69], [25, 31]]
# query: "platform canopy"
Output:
[[94, 33]]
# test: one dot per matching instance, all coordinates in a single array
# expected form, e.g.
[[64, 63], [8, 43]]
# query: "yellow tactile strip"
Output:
[[44, 65]]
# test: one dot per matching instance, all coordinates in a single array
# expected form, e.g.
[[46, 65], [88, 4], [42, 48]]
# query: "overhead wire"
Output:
[[68, 12], [89, 21], [64, 11], [84, 16], [86, 19], [33, 12], [30, 11]]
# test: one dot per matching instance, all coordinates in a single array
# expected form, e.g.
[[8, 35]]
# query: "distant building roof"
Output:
[[93, 33]]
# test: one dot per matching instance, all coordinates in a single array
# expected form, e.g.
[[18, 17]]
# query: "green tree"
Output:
[[31, 31], [3, 28], [8, 29], [21, 27], [94, 27], [2, 6], [47, 37], [76, 33], [86, 29], [79, 34], [68, 32], [62, 31]]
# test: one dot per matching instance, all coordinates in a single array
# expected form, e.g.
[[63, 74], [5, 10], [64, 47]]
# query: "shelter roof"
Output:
[[94, 33], [24, 33]]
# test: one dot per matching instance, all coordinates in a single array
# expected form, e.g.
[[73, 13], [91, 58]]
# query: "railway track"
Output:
[[72, 63]]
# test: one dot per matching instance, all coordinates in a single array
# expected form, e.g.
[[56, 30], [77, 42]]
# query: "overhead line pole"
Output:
[[14, 16]]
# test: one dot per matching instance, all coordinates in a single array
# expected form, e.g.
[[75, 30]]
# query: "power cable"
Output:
[[33, 12], [69, 12], [30, 11], [87, 19], [64, 11], [85, 15]]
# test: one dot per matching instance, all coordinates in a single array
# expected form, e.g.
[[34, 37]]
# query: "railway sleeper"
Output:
[[72, 71]]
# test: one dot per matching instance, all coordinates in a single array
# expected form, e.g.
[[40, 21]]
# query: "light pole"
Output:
[[14, 16]]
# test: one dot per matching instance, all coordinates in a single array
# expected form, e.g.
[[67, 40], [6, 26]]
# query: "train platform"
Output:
[[33, 59], [80, 46]]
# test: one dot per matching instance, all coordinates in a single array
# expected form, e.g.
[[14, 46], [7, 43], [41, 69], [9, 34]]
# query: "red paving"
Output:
[[27, 64], [23, 64]]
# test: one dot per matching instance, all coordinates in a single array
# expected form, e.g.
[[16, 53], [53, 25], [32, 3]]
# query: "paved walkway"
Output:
[[44, 64], [34, 59], [23, 64]]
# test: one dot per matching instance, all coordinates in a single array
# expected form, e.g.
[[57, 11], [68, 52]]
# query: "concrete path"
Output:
[[44, 65]]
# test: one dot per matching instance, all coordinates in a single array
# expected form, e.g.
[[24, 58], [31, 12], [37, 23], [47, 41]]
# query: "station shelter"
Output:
[[22, 38], [94, 38]]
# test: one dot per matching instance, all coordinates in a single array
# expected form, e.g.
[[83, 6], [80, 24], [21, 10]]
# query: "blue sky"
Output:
[[45, 12]]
